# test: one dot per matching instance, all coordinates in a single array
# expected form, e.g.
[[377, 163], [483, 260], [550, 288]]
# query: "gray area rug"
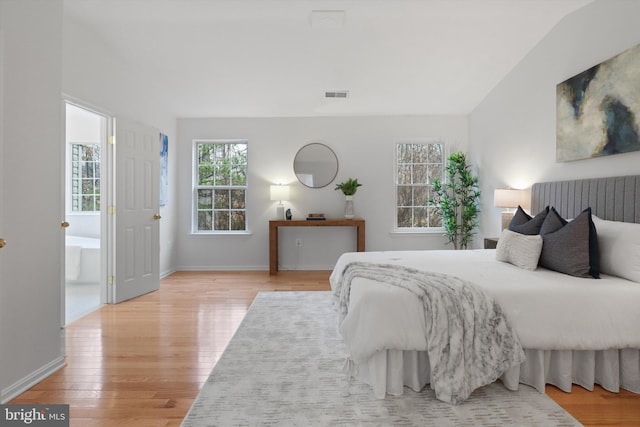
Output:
[[283, 367]]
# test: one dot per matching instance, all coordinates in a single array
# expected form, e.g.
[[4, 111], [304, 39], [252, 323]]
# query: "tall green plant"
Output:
[[457, 197]]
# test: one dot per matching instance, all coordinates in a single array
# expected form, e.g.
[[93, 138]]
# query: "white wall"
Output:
[[365, 150], [512, 132], [31, 187], [96, 76]]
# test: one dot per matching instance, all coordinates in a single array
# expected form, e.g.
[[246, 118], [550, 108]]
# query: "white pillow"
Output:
[[619, 244], [519, 249]]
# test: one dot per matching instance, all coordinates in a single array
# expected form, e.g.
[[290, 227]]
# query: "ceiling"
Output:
[[264, 58]]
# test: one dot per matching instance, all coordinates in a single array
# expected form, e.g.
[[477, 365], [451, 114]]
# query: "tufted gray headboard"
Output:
[[615, 198]]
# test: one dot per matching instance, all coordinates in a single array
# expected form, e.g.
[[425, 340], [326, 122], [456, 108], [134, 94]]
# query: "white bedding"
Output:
[[549, 310], [470, 341]]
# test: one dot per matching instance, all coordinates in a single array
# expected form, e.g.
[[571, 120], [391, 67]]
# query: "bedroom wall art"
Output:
[[164, 169], [598, 110]]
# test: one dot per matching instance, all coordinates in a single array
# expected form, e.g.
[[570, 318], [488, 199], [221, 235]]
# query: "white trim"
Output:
[[87, 106], [254, 268], [425, 140], [225, 268], [194, 177], [296, 267], [167, 273], [404, 232], [107, 177], [220, 233], [32, 379], [69, 177]]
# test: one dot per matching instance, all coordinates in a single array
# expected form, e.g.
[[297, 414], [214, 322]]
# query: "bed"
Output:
[[572, 330]]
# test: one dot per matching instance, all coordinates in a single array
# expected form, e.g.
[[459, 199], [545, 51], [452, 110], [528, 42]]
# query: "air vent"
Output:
[[336, 94], [327, 19]]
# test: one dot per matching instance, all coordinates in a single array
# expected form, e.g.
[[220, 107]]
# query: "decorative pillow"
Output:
[[523, 223], [619, 244], [570, 247], [553, 222], [519, 249]]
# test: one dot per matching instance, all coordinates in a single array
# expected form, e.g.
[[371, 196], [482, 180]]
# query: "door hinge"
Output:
[[111, 140], [112, 209]]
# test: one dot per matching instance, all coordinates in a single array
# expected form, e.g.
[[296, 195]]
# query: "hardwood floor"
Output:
[[142, 362]]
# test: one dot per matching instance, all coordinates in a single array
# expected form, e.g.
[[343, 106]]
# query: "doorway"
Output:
[[86, 134]]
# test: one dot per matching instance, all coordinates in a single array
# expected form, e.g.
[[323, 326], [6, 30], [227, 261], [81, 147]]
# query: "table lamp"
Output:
[[508, 198], [279, 193]]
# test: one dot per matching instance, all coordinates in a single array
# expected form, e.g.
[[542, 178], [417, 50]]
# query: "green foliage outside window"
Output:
[[418, 164], [221, 186], [85, 177]]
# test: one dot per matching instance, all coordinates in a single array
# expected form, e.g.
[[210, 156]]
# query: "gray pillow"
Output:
[[570, 247], [552, 222], [523, 223]]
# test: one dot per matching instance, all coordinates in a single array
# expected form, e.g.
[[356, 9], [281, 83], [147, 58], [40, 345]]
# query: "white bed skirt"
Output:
[[389, 371]]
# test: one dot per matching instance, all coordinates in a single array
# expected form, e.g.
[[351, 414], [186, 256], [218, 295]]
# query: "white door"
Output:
[[136, 223]]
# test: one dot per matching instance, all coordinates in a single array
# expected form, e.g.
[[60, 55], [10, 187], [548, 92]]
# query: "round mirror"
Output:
[[315, 165]]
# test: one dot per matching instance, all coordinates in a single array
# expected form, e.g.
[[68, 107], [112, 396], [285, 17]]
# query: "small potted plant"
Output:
[[348, 188]]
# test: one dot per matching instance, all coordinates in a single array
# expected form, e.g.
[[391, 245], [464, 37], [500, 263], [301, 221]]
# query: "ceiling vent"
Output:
[[336, 94], [326, 19]]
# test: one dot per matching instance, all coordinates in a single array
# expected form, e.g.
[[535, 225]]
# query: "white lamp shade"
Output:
[[507, 198], [279, 192]]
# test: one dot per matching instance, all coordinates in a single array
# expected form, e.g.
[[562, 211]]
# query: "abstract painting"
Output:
[[598, 110], [164, 160]]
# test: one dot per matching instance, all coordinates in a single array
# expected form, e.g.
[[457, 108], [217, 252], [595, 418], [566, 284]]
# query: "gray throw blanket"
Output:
[[469, 340]]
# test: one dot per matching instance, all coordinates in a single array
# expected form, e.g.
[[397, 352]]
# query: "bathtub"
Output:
[[82, 259]]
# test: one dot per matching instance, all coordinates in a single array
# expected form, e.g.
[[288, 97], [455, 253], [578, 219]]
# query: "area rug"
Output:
[[283, 367]]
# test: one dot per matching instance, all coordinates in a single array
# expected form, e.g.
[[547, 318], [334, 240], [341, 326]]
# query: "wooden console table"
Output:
[[329, 222]]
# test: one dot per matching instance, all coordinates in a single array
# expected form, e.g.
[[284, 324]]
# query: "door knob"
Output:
[[64, 224], [3, 243], [157, 216]]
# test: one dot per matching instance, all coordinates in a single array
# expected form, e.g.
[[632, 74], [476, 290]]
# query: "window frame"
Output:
[[414, 230], [195, 187], [70, 178]]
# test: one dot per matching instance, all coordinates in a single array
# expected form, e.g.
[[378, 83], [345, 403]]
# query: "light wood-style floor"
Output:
[[142, 362]]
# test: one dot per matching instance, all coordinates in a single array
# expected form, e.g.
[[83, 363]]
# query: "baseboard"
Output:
[[305, 267], [164, 274], [29, 381], [221, 268], [255, 268]]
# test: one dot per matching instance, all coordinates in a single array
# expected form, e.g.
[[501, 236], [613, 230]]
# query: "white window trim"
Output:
[[69, 178], [194, 199], [413, 231], [427, 231]]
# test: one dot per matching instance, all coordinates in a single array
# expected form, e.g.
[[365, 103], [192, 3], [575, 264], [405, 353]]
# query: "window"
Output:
[[220, 190], [85, 177], [417, 164]]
